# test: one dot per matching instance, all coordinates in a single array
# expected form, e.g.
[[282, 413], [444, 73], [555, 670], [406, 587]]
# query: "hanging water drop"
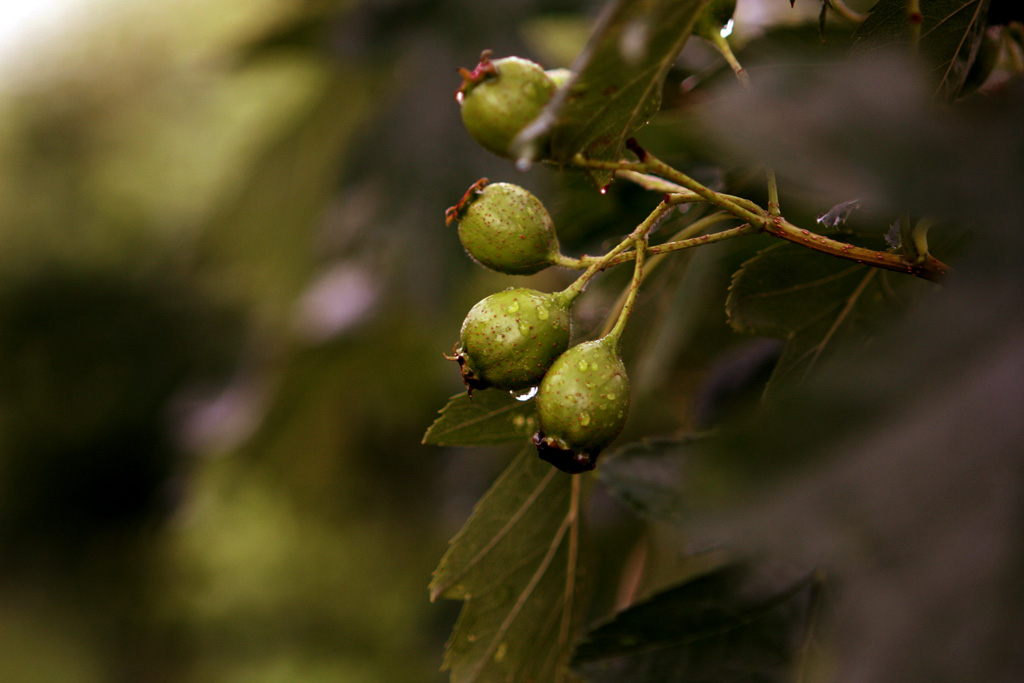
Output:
[[524, 394]]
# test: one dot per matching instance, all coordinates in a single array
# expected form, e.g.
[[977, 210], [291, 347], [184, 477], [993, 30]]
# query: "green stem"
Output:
[[679, 245], [615, 335], [914, 18], [719, 41], [722, 45], [659, 167], [929, 269], [760, 220], [919, 235], [600, 263], [773, 193]]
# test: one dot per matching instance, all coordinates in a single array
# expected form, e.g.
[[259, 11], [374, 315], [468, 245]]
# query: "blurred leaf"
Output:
[[618, 84], [558, 39], [813, 301], [262, 236], [647, 476], [951, 33], [729, 625], [514, 564], [489, 418]]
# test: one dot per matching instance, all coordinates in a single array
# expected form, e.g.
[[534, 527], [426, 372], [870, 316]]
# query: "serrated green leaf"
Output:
[[731, 624], [814, 301], [617, 87], [951, 33], [514, 564], [488, 418]]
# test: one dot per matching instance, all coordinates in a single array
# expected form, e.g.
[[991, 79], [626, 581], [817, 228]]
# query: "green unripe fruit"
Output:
[[581, 405], [510, 338], [499, 98], [506, 228], [715, 15]]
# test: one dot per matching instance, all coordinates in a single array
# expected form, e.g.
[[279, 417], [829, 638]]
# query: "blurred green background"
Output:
[[225, 288]]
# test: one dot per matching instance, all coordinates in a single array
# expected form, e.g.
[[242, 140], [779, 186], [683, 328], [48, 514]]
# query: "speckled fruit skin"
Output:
[[504, 101], [582, 405], [507, 229], [510, 338]]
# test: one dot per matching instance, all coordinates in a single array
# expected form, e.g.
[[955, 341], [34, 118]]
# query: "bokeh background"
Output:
[[225, 290]]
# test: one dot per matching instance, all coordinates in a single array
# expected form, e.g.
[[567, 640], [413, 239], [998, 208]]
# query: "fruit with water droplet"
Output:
[[500, 97], [506, 228], [510, 338], [582, 405]]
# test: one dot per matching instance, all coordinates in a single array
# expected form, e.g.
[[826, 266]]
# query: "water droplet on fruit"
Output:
[[542, 313], [584, 418], [524, 394], [582, 365], [512, 307], [524, 328]]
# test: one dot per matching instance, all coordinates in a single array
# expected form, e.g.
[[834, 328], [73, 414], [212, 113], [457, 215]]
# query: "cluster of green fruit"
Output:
[[519, 338]]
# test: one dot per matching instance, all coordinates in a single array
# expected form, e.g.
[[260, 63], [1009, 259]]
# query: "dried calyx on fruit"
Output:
[[500, 97], [506, 228], [510, 338], [582, 405]]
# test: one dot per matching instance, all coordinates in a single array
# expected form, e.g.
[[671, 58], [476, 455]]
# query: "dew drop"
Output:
[[582, 365], [584, 418], [611, 397], [512, 307], [542, 313], [524, 394], [604, 190], [524, 328]]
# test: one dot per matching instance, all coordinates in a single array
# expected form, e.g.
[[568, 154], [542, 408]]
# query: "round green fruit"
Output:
[[581, 405], [506, 228], [510, 338], [499, 98]]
